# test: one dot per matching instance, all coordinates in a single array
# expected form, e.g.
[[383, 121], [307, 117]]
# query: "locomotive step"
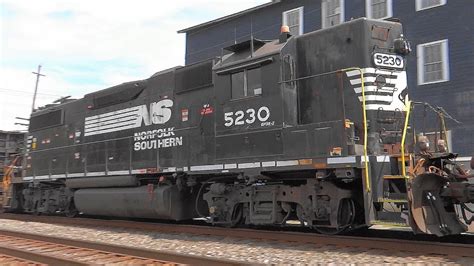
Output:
[[393, 177], [389, 223], [390, 200]]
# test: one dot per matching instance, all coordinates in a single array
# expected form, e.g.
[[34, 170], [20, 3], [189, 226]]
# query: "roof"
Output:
[[229, 17], [245, 45], [243, 57]]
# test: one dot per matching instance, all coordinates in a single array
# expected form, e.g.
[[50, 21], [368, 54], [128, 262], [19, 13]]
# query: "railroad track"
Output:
[[34, 249], [428, 247], [10, 260]]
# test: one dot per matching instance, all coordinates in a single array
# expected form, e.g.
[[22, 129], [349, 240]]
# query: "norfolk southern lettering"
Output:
[[159, 113], [156, 139]]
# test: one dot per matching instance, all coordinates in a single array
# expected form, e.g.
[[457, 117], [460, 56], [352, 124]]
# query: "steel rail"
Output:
[[164, 257], [36, 257], [21, 257], [412, 246]]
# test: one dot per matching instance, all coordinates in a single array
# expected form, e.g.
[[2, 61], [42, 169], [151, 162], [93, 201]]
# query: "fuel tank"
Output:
[[99, 182], [152, 201]]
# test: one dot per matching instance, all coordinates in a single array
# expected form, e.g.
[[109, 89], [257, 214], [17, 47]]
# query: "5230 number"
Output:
[[249, 116], [388, 60]]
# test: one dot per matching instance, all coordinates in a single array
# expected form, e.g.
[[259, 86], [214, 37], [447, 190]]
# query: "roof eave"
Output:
[[228, 17]]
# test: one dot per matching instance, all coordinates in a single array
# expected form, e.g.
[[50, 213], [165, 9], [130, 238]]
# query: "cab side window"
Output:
[[238, 85], [246, 83], [254, 82]]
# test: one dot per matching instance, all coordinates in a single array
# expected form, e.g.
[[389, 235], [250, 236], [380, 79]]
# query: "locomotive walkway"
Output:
[[458, 246], [34, 249]]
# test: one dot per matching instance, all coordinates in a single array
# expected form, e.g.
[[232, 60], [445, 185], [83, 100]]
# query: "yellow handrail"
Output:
[[445, 137], [6, 178], [364, 111], [404, 135]]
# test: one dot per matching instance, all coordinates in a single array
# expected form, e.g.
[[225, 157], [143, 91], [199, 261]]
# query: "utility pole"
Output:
[[38, 74]]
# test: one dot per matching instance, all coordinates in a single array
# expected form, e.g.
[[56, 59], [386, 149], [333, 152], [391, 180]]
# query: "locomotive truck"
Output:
[[313, 128]]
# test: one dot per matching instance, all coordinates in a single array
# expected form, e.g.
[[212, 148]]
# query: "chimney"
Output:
[[285, 33]]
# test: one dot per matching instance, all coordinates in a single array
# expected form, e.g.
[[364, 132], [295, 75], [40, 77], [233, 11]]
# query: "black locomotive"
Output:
[[310, 128]]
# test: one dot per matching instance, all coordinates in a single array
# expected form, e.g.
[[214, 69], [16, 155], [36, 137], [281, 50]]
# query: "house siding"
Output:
[[452, 21], [207, 42]]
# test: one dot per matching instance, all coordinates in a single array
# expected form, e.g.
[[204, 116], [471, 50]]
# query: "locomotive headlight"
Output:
[[401, 45]]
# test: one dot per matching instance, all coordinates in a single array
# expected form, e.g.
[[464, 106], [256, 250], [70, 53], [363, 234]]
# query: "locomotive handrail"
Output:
[[364, 113], [445, 131], [7, 180], [316, 75], [405, 128]]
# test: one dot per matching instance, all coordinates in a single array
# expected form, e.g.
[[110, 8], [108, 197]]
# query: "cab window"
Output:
[[246, 83]]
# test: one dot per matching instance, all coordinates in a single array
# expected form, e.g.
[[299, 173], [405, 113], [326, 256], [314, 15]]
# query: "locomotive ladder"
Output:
[[398, 183], [6, 184]]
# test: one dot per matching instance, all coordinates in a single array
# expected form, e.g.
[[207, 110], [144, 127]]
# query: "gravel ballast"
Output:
[[251, 251]]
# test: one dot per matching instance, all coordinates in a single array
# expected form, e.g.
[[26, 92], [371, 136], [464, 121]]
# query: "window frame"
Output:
[[419, 8], [324, 13], [368, 9], [421, 61], [300, 18]]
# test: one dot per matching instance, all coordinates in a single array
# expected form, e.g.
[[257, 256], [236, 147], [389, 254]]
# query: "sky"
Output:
[[89, 45]]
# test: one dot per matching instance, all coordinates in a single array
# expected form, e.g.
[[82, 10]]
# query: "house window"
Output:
[[294, 20], [378, 9], [246, 83], [426, 4], [433, 62], [332, 12]]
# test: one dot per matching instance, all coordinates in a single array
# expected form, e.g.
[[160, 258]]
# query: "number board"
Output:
[[388, 60], [248, 117]]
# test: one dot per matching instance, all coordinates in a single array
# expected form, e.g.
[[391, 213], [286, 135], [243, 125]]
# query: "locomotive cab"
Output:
[[338, 116]]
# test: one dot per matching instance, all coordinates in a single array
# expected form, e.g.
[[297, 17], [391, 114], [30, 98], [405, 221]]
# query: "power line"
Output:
[[30, 93]]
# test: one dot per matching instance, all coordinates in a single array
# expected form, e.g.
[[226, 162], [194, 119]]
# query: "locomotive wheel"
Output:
[[345, 218], [71, 210], [36, 212], [301, 215], [237, 215], [72, 213]]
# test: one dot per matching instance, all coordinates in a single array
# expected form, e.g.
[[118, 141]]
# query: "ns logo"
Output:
[[159, 113]]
